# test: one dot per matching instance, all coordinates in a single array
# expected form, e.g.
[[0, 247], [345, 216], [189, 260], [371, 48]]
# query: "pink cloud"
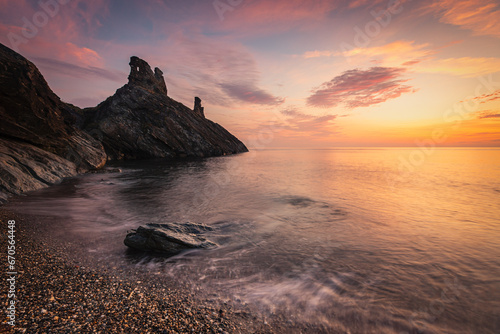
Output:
[[361, 88], [53, 30], [262, 16], [250, 93], [488, 97], [300, 123], [75, 71], [296, 124], [219, 72], [411, 62]]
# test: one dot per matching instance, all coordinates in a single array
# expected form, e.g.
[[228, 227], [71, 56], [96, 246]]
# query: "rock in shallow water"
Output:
[[168, 238]]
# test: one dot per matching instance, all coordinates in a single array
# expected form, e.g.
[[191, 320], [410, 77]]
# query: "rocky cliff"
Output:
[[141, 121], [39, 143], [43, 139]]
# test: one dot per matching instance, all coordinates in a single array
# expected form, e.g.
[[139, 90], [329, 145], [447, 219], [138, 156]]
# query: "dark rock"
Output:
[[168, 238], [43, 139], [142, 75], [39, 141], [32, 113], [25, 167], [141, 121], [198, 108]]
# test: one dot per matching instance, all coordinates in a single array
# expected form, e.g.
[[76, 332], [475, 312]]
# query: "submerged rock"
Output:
[[168, 238]]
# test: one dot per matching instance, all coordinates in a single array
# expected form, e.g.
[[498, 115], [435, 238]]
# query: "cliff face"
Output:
[[43, 139], [141, 121], [30, 112], [39, 144]]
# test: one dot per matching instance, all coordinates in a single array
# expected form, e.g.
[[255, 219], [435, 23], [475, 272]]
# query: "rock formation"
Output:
[[198, 108], [39, 142], [43, 139], [141, 75], [168, 238], [142, 121]]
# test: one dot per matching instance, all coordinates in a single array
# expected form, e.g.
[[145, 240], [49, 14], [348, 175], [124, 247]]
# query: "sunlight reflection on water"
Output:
[[339, 238]]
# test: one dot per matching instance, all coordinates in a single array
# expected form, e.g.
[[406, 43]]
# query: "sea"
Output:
[[349, 240]]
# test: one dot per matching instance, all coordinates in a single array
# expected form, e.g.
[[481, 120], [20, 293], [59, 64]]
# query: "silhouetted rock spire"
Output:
[[198, 108], [142, 75], [140, 121]]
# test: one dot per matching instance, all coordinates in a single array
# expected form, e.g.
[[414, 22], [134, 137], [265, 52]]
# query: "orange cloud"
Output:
[[422, 58], [485, 98], [465, 66], [295, 125], [80, 55], [480, 16], [487, 114], [394, 53]]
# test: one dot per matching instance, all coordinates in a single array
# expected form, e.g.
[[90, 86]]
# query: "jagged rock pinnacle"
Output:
[[198, 108], [142, 75]]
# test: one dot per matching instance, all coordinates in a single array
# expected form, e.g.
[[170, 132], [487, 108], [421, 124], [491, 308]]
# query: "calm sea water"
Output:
[[351, 240]]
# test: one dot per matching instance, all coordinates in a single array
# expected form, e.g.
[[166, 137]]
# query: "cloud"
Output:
[[72, 70], [468, 67], [397, 52], [258, 17], [219, 72], [485, 98], [318, 54], [360, 88], [297, 123], [81, 55], [261, 16], [250, 93], [292, 125], [480, 16], [411, 62], [424, 58], [487, 114]]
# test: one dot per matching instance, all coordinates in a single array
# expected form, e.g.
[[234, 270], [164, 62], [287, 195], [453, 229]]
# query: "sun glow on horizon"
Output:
[[314, 73]]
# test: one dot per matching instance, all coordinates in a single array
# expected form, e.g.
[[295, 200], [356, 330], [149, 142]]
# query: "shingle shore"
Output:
[[54, 296]]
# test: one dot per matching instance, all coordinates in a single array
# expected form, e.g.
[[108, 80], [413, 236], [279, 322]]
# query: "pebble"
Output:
[[59, 297]]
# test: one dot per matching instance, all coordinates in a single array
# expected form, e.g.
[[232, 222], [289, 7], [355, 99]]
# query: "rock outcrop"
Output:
[[39, 141], [168, 238], [142, 121], [24, 167], [198, 108], [142, 75], [32, 113], [43, 139]]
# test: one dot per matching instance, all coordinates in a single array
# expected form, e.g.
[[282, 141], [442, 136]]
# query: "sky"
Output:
[[284, 73]]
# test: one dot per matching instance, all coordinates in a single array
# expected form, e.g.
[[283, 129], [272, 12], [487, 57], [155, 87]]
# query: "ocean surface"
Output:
[[385, 240]]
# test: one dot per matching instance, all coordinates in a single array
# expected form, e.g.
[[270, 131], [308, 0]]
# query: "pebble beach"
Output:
[[54, 296]]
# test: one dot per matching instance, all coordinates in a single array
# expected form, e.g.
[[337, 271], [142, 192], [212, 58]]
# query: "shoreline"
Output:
[[56, 296]]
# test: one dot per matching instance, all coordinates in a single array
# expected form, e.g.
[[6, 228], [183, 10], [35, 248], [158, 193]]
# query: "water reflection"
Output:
[[339, 238]]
